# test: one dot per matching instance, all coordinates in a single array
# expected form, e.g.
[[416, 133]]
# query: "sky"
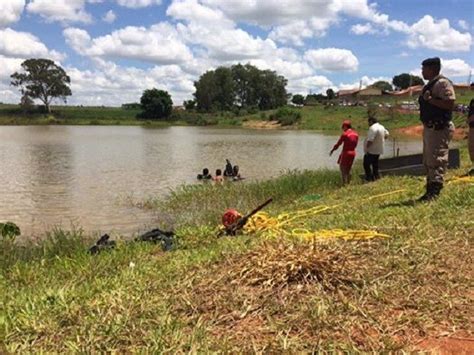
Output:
[[114, 49]]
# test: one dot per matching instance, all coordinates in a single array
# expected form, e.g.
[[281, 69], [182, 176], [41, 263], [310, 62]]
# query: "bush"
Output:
[[286, 116], [155, 104]]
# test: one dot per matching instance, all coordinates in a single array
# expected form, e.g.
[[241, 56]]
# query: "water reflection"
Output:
[[81, 175]]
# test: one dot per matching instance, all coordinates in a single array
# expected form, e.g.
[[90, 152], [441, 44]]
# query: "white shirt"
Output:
[[377, 134]]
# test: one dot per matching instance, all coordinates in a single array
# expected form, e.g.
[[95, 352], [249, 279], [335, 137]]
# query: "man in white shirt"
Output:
[[373, 149]]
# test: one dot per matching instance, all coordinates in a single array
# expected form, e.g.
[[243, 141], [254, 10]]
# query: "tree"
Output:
[[155, 104], [405, 80], [383, 85], [43, 80], [189, 104], [330, 94], [298, 99], [240, 86]]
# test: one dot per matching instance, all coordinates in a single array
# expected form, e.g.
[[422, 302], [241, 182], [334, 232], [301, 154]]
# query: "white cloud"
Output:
[[290, 21], [226, 44], [9, 66], [270, 13], [432, 34], [290, 69], [109, 17], [295, 32], [463, 24], [455, 68], [158, 44], [192, 11], [314, 84], [364, 82], [451, 68], [24, 45], [332, 59], [362, 29], [110, 84], [63, 11], [217, 34], [133, 4], [10, 11]]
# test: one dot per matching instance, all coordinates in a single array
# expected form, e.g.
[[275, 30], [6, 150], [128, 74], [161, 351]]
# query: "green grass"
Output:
[[248, 294]]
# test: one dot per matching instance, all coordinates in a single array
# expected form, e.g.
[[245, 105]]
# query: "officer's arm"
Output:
[[444, 104]]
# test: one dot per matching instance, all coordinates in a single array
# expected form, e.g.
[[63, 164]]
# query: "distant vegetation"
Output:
[[240, 86], [155, 104], [42, 79], [405, 80]]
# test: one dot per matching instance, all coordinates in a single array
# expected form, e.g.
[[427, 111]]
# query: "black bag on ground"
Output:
[[158, 236]]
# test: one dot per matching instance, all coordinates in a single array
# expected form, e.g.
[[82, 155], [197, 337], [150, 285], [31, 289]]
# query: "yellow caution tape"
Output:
[[462, 179]]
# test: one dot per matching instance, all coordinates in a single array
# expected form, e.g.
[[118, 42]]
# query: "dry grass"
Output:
[[321, 296]]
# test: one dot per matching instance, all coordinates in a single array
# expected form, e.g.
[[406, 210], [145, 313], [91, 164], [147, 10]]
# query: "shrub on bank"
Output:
[[286, 116]]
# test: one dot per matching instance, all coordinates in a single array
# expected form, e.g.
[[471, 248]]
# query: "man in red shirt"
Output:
[[349, 139]]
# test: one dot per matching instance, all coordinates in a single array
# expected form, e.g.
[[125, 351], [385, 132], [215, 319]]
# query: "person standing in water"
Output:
[[349, 139]]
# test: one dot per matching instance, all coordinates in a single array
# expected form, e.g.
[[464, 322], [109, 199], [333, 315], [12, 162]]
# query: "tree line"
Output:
[[222, 89]]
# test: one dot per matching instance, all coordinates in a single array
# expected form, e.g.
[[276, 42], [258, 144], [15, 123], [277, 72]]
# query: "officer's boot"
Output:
[[437, 187], [428, 196]]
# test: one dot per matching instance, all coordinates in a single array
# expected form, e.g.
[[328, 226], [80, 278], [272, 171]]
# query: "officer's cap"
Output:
[[431, 62]]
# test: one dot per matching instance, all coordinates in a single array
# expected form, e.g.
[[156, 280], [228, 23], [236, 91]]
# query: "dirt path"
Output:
[[262, 124], [417, 131], [447, 345]]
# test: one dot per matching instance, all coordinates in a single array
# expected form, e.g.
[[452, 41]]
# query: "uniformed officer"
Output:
[[436, 106]]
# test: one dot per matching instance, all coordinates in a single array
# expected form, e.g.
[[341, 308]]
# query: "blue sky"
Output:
[[115, 49]]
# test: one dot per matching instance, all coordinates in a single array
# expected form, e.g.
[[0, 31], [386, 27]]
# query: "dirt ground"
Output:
[[417, 131], [447, 345], [262, 124]]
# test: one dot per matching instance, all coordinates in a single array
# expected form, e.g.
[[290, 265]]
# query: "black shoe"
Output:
[[470, 172], [437, 187], [428, 194], [433, 190]]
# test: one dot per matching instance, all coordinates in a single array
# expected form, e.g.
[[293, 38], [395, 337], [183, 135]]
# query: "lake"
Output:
[[86, 176]]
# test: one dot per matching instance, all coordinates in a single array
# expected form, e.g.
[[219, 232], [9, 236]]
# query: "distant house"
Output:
[[463, 87], [347, 96], [347, 93], [370, 91]]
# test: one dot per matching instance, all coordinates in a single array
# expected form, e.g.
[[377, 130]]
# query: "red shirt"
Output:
[[350, 139]]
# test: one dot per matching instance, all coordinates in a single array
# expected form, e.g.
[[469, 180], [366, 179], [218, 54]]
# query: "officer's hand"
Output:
[[427, 95]]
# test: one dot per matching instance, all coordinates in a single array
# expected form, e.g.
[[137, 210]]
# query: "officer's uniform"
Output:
[[437, 133]]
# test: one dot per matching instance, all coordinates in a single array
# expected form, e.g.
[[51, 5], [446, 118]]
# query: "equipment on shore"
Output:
[[158, 236], [233, 222], [102, 244], [166, 239]]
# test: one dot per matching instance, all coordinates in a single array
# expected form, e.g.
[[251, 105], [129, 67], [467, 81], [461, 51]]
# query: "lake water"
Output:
[[84, 176]]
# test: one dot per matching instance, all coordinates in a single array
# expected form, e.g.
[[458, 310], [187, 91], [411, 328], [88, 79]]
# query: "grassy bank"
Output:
[[253, 293]]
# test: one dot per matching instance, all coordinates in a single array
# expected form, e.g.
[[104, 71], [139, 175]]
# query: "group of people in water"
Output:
[[230, 172]]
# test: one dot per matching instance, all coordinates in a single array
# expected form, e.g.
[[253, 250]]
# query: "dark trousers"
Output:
[[371, 166]]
